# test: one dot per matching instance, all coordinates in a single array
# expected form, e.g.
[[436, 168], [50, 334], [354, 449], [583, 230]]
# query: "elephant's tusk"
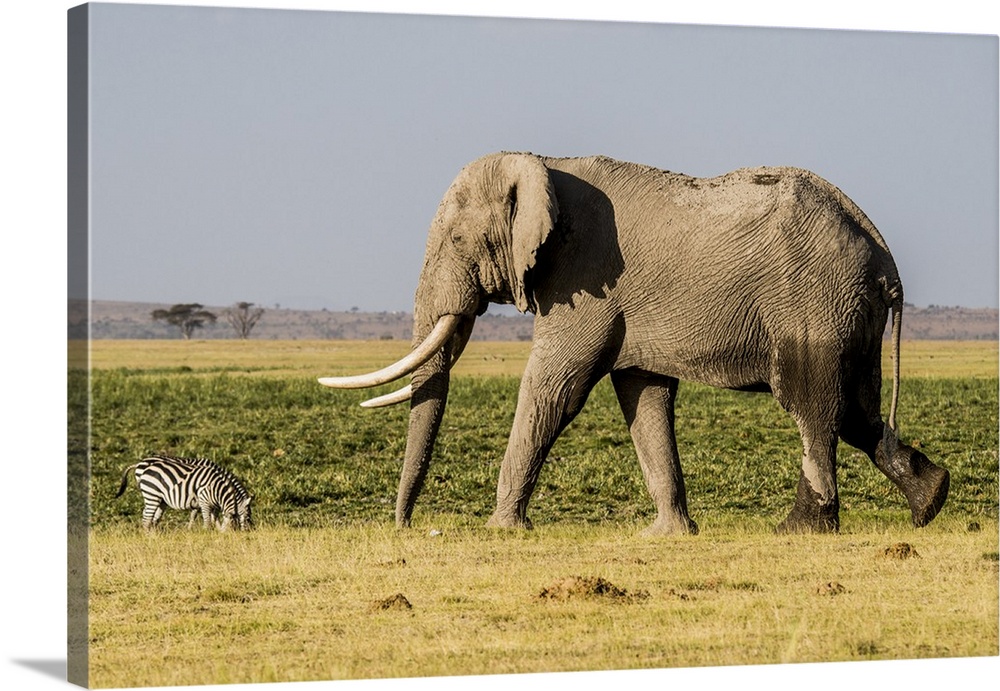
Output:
[[388, 399], [406, 393], [443, 330]]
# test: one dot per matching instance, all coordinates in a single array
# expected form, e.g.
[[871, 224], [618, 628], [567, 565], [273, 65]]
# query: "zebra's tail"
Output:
[[121, 488]]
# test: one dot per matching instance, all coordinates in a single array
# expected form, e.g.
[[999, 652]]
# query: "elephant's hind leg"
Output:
[[813, 395], [817, 504], [924, 484], [647, 402]]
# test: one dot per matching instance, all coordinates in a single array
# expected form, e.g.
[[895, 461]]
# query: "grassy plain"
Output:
[[302, 597]]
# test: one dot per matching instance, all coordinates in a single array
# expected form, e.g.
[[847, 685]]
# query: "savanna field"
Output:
[[327, 588]]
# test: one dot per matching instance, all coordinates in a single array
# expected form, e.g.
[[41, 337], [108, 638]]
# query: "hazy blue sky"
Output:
[[297, 157]]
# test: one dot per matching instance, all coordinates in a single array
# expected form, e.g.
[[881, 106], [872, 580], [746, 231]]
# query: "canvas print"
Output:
[[420, 346]]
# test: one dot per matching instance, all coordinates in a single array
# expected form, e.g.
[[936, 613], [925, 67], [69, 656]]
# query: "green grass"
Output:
[[314, 458], [293, 600]]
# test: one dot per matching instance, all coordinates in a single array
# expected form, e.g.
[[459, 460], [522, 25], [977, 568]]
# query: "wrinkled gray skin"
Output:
[[764, 279]]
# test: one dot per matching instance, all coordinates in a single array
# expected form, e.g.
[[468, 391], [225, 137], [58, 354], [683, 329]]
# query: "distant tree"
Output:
[[186, 317], [243, 316]]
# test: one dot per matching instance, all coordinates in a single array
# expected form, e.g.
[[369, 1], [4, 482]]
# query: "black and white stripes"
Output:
[[197, 484]]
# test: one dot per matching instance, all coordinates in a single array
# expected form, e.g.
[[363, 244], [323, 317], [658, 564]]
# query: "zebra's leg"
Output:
[[217, 520], [204, 505], [194, 515], [206, 510], [150, 518]]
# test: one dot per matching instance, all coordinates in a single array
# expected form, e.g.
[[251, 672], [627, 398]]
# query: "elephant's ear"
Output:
[[533, 210]]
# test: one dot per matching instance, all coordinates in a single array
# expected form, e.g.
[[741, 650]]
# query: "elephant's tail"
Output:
[[897, 327]]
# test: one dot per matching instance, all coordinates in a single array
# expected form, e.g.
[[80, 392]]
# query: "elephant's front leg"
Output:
[[647, 402], [547, 401]]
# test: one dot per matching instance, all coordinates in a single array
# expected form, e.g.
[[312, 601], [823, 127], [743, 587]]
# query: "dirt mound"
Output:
[[392, 563], [900, 550], [587, 587], [397, 601], [830, 588]]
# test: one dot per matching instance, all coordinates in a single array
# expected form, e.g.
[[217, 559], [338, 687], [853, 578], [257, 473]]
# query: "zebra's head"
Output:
[[244, 520]]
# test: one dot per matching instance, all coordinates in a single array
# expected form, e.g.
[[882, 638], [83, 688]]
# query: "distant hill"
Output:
[[950, 323], [132, 320]]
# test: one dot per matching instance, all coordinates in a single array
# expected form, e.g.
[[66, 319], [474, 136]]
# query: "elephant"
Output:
[[764, 279]]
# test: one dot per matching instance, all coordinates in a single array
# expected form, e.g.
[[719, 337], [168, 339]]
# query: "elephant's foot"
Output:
[[811, 512], [813, 523], [507, 521], [671, 525], [926, 493], [924, 484]]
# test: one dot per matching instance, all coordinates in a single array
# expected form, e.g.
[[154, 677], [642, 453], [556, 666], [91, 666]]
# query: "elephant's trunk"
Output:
[[429, 393]]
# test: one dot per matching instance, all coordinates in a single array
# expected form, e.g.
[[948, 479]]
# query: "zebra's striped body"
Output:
[[197, 484]]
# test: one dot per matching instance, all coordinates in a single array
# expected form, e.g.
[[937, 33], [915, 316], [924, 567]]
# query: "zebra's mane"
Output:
[[241, 491]]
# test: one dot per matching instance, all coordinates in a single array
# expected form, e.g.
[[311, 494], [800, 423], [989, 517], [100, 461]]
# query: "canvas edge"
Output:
[[78, 346]]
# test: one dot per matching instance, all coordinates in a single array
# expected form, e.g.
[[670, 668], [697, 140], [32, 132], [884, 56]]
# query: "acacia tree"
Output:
[[243, 316], [186, 317]]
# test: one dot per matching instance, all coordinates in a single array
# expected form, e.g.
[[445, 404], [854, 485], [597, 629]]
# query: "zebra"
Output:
[[189, 483]]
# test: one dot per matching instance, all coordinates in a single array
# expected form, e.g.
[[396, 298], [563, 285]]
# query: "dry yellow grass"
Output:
[[280, 605], [298, 358], [327, 358], [946, 359]]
